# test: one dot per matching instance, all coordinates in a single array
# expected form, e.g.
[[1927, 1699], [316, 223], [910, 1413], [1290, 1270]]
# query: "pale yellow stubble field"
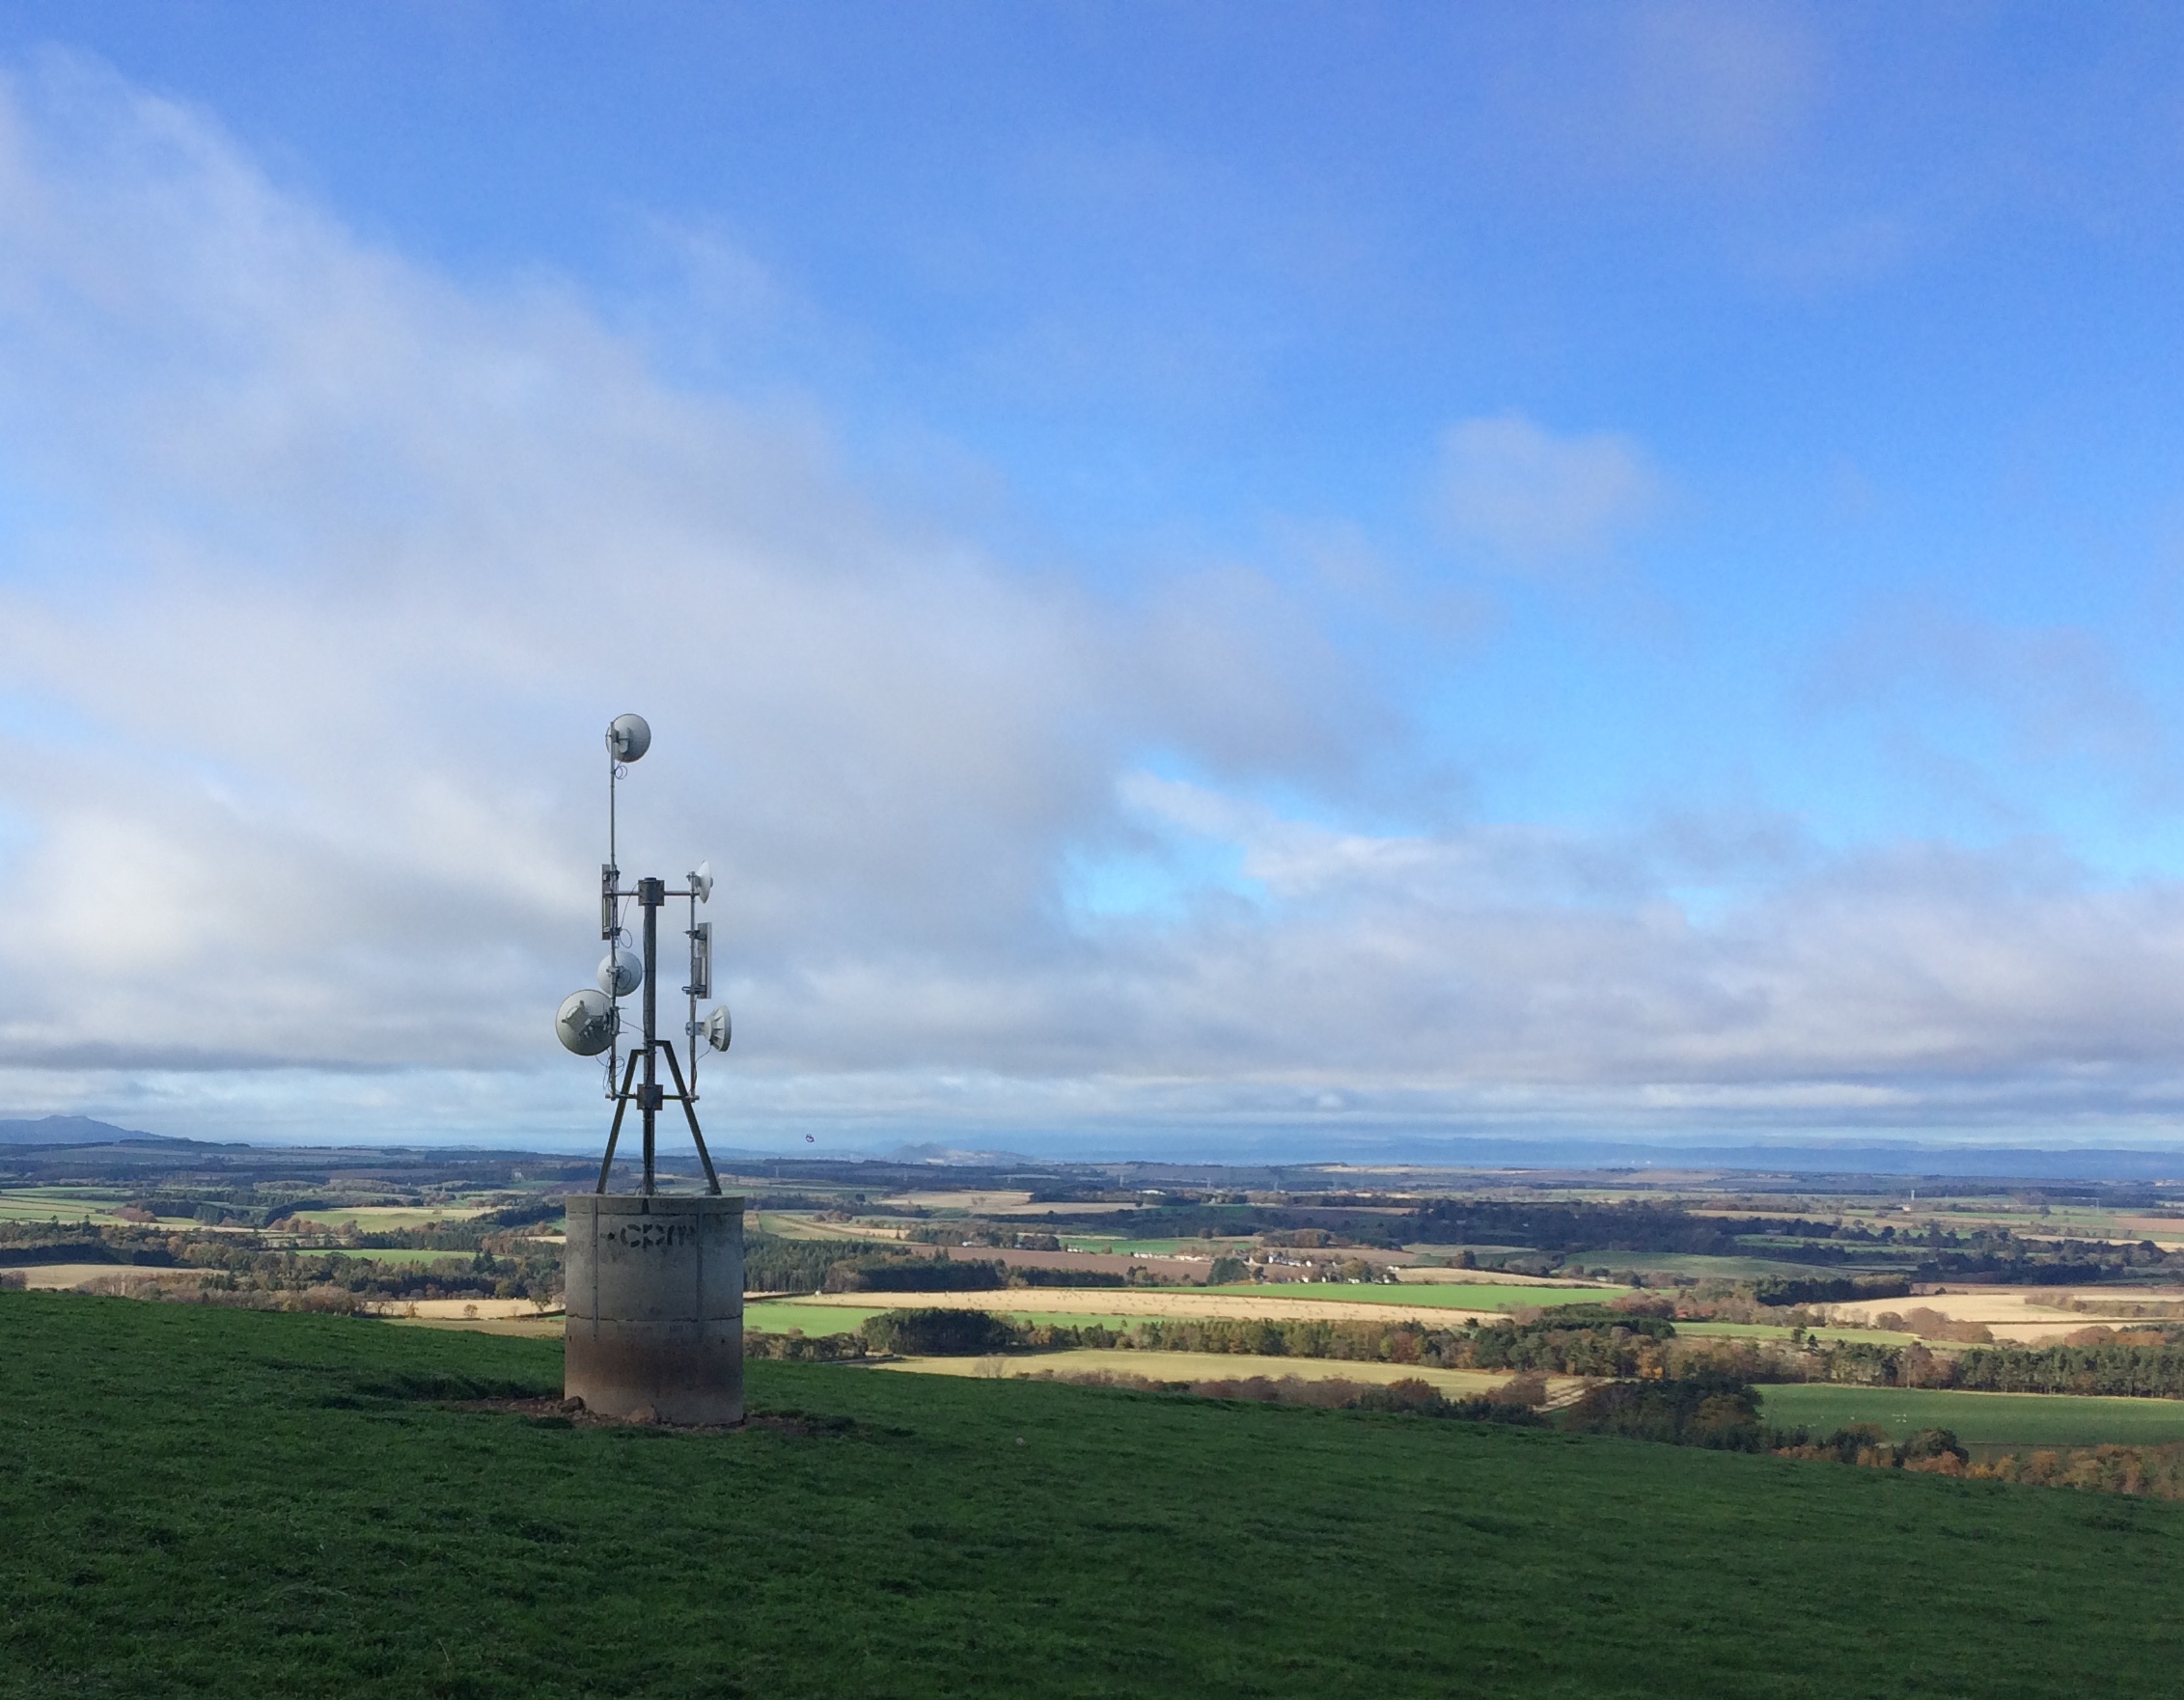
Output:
[[2013, 1314], [1208, 1366]]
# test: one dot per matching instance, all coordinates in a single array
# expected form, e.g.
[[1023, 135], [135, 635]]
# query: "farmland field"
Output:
[[1764, 1331], [780, 1316], [1105, 1243], [1981, 1420], [70, 1274], [1491, 1278], [380, 1219], [529, 1328], [214, 1502], [1412, 1295], [62, 1205], [1095, 1304], [789, 1226], [1702, 1268], [399, 1255], [1203, 1366], [958, 1203], [1452, 1248]]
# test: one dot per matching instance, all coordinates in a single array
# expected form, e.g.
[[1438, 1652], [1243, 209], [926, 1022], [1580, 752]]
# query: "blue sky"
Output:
[[1243, 578]]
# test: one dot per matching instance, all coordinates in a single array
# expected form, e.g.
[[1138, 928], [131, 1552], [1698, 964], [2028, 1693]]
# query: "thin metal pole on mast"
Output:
[[610, 918], [650, 892]]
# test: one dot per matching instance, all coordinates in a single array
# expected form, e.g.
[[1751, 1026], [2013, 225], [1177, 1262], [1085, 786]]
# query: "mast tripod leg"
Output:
[[614, 1132], [690, 1110], [650, 893]]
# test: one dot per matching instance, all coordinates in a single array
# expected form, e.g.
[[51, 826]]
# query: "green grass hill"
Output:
[[199, 1501]]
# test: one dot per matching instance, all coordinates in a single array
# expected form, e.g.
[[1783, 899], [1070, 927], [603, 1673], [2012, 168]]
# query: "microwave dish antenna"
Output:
[[620, 973], [588, 1022]]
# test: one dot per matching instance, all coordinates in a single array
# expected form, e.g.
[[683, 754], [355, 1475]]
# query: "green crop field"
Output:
[[546, 1326], [1765, 1330], [64, 1204], [1478, 1247], [1702, 1268], [1202, 1366], [1981, 1420], [214, 1502], [779, 1316], [1437, 1294], [1104, 1244]]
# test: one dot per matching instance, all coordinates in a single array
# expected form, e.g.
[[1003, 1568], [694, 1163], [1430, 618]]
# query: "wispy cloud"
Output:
[[1998, 696], [1520, 497]]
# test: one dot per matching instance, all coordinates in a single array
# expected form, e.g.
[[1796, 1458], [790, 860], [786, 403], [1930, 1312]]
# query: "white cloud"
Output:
[[353, 565], [322, 575], [1520, 497], [1685, 96]]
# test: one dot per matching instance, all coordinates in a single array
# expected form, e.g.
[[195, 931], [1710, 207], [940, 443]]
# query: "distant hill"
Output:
[[955, 1156], [68, 1130]]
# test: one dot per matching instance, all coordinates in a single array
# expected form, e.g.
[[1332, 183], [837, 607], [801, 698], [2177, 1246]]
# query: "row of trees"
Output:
[[1001, 1239], [1609, 1346], [773, 1264], [2133, 1371]]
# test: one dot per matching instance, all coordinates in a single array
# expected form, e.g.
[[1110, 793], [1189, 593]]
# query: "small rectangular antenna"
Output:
[[610, 877], [702, 960]]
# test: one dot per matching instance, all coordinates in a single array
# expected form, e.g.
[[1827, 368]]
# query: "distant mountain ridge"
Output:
[[69, 1130]]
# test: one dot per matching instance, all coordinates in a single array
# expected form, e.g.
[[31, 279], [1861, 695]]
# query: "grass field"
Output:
[[211, 1503], [381, 1218], [1201, 1366], [398, 1254], [530, 1328], [780, 1316], [1105, 1243], [1981, 1420], [64, 1204], [1452, 1248], [1103, 1304], [789, 1226], [1762, 1330], [1702, 1268], [1414, 1295]]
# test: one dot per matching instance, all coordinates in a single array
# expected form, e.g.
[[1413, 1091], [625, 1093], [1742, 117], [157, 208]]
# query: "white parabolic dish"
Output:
[[587, 1022]]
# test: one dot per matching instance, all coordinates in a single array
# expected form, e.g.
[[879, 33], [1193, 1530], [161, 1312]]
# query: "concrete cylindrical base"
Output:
[[654, 1290]]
